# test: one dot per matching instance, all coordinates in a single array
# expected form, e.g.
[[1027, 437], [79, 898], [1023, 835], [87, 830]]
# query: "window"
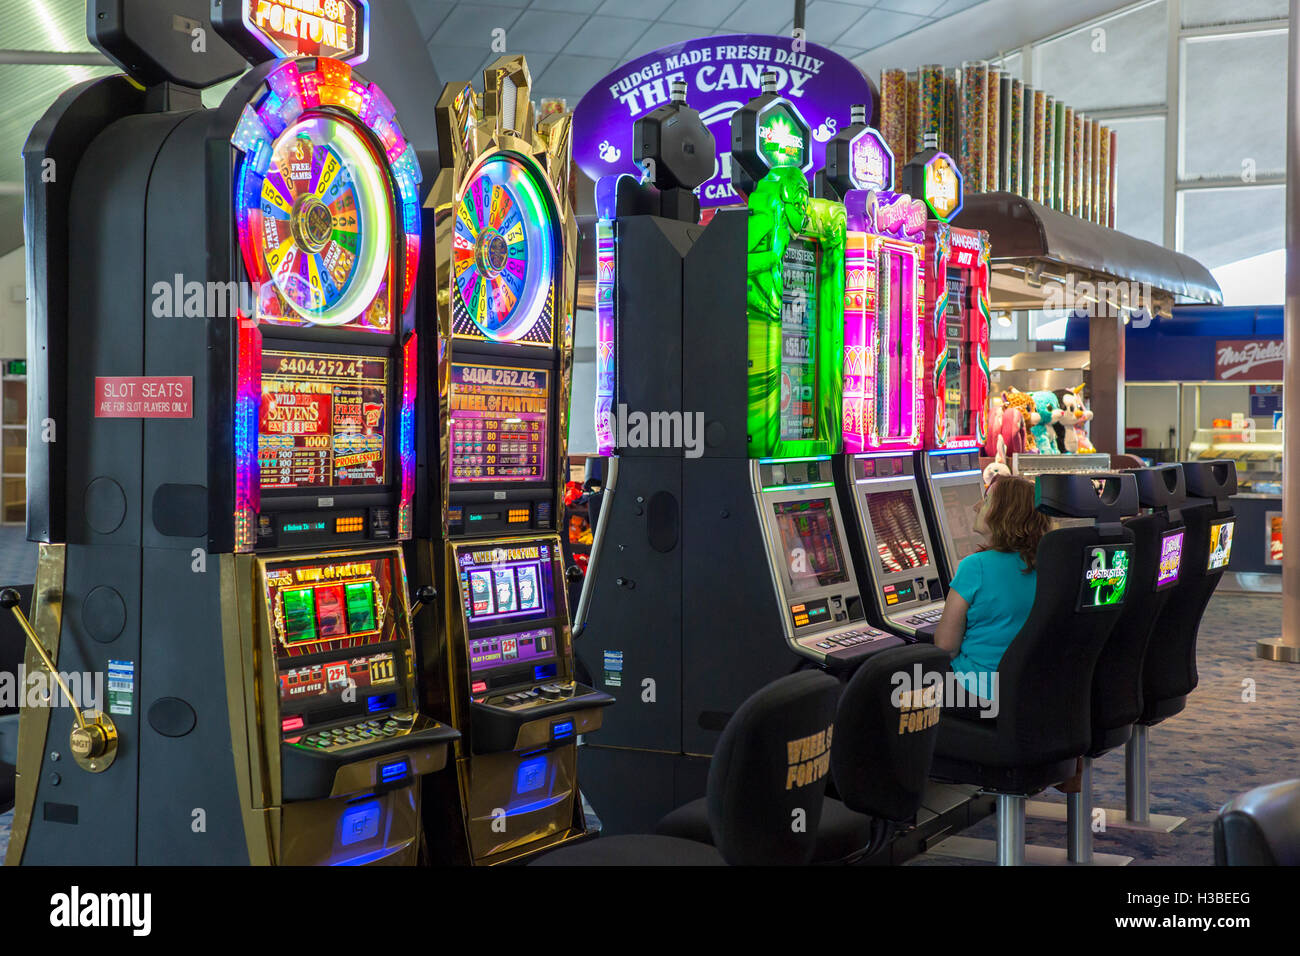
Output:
[[1203, 13], [1140, 176], [1239, 81], [1111, 63], [1239, 234]]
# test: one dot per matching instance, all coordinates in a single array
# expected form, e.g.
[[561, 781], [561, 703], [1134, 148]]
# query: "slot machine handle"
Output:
[[424, 594], [93, 742]]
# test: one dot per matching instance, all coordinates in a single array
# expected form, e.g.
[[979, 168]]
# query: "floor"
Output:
[[1241, 729]]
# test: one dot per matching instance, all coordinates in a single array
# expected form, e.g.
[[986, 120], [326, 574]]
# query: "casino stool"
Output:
[[1169, 667], [1043, 722], [879, 772], [1260, 828], [750, 802], [1117, 679], [13, 650]]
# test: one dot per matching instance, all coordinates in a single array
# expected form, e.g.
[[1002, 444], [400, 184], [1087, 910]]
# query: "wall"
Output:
[[13, 314]]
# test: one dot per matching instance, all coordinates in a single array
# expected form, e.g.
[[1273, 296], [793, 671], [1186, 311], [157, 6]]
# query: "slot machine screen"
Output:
[[502, 584], [1105, 576], [498, 429], [322, 420], [900, 542], [1220, 544], [811, 541], [1171, 559], [959, 502], [799, 339], [343, 606]]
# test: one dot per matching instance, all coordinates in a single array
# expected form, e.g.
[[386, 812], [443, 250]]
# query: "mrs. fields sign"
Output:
[[721, 74], [1248, 360]]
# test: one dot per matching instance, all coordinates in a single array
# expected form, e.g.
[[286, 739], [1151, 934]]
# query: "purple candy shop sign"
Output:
[[721, 75]]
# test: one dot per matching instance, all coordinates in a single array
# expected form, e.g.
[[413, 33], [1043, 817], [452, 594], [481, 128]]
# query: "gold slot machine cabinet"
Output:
[[498, 657], [224, 540]]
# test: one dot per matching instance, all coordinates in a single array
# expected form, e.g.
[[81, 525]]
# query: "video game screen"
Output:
[[811, 542], [799, 340], [343, 605], [322, 420], [959, 503], [498, 428], [1105, 576], [900, 540], [1220, 544], [506, 583], [1171, 558]]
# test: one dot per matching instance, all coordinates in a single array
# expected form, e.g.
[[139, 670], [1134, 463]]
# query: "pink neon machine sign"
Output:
[[884, 307]]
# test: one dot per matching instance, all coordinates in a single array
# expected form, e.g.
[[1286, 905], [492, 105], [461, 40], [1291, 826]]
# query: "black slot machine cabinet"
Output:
[[499, 658], [222, 326]]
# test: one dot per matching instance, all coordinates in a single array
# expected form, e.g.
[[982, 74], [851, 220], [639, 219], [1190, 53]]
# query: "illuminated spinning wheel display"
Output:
[[503, 255], [325, 224]]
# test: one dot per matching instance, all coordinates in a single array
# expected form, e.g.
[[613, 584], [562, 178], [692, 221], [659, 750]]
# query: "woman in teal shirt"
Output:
[[993, 589]]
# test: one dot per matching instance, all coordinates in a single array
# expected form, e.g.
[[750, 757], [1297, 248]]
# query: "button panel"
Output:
[[350, 735]]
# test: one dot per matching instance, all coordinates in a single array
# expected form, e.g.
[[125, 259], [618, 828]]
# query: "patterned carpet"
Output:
[[1218, 747]]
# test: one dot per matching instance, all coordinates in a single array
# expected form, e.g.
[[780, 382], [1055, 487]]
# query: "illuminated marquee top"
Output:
[[286, 28], [871, 162], [783, 137], [942, 189]]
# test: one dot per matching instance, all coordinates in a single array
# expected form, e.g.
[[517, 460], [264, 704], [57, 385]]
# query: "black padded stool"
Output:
[[13, 650], [772, 760], [1043, 724], [1117, 680], [1260, 828], [880, 758], [1169, 668]]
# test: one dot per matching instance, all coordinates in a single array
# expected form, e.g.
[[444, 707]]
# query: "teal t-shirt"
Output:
[[1000, 593]]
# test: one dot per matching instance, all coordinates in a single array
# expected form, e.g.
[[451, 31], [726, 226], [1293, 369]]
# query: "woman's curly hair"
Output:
[[1014, 523]]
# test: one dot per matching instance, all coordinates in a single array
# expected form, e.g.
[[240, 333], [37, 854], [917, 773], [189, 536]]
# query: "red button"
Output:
[[291, 723]]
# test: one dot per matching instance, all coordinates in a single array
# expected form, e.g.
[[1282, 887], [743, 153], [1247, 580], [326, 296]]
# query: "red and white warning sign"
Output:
[[144, 396]]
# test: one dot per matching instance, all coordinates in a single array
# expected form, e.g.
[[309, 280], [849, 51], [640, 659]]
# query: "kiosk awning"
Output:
[[1035, 248]]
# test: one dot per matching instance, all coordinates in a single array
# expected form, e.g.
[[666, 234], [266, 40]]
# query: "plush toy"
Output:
[[992, 470], [1029, 417], [1070, 434], [1049, 413], [1006, 430]]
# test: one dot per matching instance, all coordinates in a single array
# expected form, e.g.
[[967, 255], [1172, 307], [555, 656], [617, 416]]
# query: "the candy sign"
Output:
[[721, 74]]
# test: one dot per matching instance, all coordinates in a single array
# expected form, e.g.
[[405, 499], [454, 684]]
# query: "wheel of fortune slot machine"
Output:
[[231, 342], [499, 657]]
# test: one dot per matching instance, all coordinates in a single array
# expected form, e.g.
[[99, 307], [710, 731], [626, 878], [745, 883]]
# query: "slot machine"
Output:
[[719, 560], [956, 360], [498, 340], [224, 313], [884, 405]]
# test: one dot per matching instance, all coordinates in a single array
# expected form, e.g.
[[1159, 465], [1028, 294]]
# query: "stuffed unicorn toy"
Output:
[[1070, 433]]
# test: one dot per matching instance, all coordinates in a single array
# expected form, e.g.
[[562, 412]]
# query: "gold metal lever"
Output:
[[93, 741]]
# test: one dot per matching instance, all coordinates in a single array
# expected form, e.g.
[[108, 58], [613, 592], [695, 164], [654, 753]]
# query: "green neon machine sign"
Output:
[[795, 311]]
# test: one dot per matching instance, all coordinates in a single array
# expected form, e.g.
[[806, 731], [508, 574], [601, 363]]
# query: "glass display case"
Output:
[[1257, 452]]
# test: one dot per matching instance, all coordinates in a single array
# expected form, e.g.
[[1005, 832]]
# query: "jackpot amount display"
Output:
[[798, 339], [498, 423], [322, 420]]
